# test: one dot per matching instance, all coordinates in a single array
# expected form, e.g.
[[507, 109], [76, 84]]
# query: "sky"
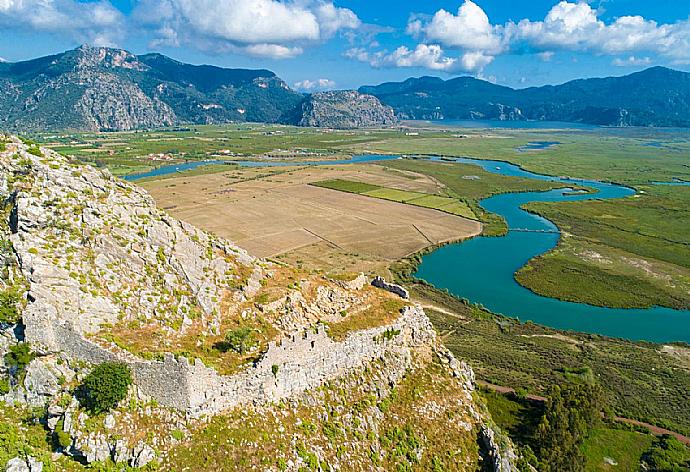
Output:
[[321, 44]]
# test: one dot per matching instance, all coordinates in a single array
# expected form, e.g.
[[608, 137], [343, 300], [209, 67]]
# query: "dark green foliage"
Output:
[[35, 151], [62, 438], [241, 340], [17, 358], [105, 386], [667, 454], [9, 299], [572, 410], [4, 386]]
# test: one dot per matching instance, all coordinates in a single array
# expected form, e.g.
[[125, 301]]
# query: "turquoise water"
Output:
[[481, 269], [679, 183], [173, 168]]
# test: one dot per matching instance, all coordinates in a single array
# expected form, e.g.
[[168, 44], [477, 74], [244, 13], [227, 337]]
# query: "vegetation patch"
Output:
[[381, 314], [105, 386]]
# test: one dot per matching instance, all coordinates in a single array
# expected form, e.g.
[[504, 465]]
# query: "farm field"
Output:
[[436, 202], [272, 212]]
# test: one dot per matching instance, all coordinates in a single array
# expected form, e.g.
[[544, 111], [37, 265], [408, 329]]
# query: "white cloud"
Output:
[[332, 19], [318, 84], [268, 28], [576, 26], [99, 22], [467, 40], [427, 56], [632, 61], [470, 29]]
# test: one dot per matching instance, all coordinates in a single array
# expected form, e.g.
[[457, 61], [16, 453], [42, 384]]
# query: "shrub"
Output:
[[105, 386], [8, 306], [18, 357], [62, 438], [4, 386], [667, 454], [240, 340]]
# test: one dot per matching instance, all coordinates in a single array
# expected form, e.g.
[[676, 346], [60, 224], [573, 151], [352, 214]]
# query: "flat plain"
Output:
[[276, 211]]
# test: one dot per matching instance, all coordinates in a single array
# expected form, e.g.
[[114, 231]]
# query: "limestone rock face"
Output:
[[96, 250], [345, 109]]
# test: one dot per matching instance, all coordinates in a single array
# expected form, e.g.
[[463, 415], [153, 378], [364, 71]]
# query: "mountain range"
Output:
[[654, 97], [94, 88]]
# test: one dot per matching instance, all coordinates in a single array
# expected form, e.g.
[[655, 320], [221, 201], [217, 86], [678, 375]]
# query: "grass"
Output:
[[379, 315], [347, 186], [632, 252], [445, 204], [624, 448], [394, 195]]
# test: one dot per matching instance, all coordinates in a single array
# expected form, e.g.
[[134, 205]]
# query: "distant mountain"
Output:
[[344, 109], [655, 97], [112, 89]]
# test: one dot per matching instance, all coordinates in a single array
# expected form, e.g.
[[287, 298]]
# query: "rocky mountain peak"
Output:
[[86, 57], [345, 109]]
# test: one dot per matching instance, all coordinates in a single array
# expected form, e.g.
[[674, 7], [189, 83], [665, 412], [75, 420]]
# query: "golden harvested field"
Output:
[[273, 212]]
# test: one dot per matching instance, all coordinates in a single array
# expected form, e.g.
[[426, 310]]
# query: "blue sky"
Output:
[[316, 44]]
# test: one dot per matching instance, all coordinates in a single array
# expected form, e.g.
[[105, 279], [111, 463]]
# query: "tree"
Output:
[[240, 340], [667, 454], [105, 386], [572, 410]]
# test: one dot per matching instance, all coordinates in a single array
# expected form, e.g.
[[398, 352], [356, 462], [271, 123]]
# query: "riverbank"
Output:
[[641, 380]]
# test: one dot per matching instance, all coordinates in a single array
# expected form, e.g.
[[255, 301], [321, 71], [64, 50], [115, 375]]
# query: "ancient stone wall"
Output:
[[399, 290]]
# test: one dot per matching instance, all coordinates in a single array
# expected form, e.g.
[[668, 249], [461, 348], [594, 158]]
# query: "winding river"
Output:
[[481, 269]]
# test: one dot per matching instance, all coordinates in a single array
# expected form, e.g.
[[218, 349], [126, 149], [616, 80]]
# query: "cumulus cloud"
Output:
[[98, 22], [577, 26], [267, 28], [318, 84], [467, 40], [470, 29], [427, 56]]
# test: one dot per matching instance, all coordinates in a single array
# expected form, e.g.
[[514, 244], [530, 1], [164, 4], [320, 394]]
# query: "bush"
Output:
[[62, 438], [18, 357], [667, 454], [9, 299], [240, 340], [105, 386], [4, 386]]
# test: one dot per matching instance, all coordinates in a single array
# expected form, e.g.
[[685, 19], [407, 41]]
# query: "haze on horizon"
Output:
[[317, 44]]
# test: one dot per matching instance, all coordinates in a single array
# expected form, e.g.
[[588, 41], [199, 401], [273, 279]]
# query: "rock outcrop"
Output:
[[344, 109]]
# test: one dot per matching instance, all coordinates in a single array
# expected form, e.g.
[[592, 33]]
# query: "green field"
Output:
[[437, 202], [615, 449]]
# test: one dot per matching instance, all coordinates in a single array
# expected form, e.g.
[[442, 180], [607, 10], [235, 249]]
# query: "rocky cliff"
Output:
[[344, 109], [338, 375]]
